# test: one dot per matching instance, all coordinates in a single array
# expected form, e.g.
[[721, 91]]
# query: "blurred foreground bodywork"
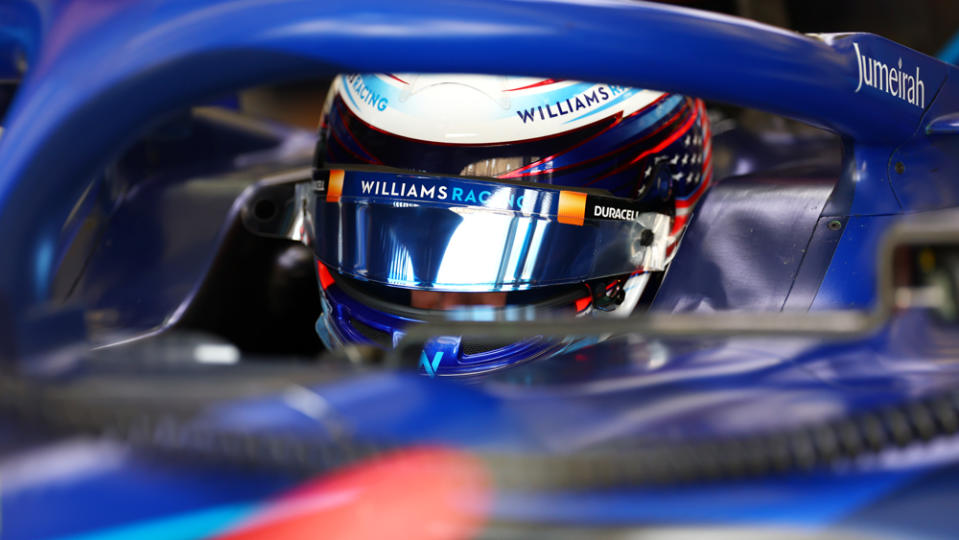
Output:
[[127, 232]]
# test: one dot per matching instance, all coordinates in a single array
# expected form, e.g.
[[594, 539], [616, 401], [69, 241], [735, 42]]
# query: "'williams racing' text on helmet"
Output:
[[436, 191]]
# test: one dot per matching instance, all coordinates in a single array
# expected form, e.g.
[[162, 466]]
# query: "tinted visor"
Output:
[[466, 234]]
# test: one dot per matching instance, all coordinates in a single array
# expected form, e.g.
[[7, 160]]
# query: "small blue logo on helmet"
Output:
[[429, 367]]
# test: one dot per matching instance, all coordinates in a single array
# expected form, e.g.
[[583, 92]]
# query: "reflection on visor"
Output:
[[463, 234]]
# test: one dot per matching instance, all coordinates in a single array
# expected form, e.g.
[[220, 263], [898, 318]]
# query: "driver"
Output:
[[440, 191]]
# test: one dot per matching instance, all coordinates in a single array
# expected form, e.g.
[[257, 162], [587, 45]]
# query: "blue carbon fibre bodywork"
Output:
[[751, 245]]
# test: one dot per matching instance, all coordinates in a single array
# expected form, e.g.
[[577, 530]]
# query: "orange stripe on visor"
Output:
[[572, 207], [335, 186]]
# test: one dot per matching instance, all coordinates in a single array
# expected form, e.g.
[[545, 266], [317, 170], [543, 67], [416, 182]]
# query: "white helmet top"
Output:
[[482, 109]]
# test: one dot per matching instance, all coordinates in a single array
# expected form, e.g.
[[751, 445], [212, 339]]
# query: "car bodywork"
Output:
[[124, 236]]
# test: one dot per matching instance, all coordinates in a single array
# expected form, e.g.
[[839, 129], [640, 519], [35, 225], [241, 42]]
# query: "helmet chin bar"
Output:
[[656, 258], [621, 299], [618, 297]]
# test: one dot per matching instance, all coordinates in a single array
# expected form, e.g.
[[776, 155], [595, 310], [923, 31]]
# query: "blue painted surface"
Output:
[[93, 488], [812, 502], [850, 281], [747, 243], [929, 170], [187, 526], [922, 507], [406, 409], [19, 36], [943, 125]]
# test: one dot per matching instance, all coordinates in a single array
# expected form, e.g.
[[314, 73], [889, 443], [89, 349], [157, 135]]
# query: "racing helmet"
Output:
[[440, 191]]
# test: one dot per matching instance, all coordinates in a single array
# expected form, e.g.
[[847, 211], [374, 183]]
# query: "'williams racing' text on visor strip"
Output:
[[445, 233]]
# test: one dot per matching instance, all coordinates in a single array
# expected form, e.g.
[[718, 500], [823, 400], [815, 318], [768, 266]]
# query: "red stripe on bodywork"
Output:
[[434, 493], [326, 278]]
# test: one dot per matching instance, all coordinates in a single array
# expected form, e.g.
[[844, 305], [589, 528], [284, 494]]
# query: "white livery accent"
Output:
[[480, 109], [890, 79]]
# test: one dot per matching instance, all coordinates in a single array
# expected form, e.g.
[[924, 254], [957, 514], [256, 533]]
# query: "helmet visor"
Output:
[[442, 233]]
